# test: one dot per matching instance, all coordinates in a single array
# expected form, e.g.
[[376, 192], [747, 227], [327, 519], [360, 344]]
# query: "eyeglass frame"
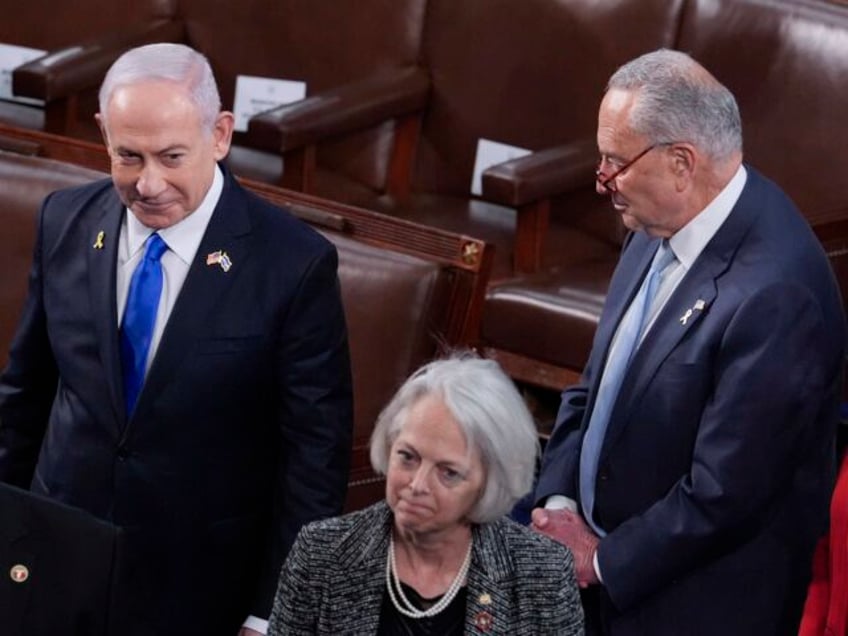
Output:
[[607, 183]]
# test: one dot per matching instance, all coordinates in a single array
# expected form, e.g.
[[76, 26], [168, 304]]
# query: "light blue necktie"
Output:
[[629, 334], [139, 318]]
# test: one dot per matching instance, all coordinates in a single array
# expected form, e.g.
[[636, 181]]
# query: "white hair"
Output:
[[491, 415], [176, 63], [679, 100]]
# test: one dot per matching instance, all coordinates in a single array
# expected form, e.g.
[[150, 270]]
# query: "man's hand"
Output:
[[246, 631], [569, 529]]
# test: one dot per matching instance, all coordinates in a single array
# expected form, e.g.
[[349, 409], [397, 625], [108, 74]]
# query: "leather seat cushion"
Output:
[[549, 316]]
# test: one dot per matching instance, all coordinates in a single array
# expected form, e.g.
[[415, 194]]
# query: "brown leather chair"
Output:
[[324, 43], [81, 39], [24, 182], [787, 63], [527, 74]]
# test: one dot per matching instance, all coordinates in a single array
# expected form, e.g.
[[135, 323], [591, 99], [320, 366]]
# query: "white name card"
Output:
[[11, 57], [258, 94], [490, 153]]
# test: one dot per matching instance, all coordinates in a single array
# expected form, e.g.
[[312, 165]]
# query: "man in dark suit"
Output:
[[690, 471], [181, 368], [57, 565]]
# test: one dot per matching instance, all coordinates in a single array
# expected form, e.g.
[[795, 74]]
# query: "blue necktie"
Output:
[[139, 318], [629, 334]]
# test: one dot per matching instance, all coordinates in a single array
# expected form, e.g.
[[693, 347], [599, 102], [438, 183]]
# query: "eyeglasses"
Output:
[[608, 182]]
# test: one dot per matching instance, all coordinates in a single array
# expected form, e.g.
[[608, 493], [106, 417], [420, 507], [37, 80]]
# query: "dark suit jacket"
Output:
[[715, 472], [333, 582], [70, 557], [241, 433]]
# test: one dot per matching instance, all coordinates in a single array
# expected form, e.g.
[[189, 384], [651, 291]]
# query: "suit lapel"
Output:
[[203, 288], [362, 567], [102, 267], [668, 330]]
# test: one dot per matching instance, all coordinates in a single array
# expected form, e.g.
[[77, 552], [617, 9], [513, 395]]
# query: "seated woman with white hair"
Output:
[[438, 557]]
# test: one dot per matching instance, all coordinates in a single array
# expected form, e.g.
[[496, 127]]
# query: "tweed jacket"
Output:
[[333, 581]]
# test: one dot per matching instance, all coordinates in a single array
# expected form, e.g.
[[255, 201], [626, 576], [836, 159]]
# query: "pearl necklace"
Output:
[[400, 601]]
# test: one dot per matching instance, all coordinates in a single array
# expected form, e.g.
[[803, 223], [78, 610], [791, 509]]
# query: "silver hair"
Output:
[[678, 100], [491, 415], [177, 63]]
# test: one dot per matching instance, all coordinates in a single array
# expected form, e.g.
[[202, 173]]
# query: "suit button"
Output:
[[123, 453], [603, 474]]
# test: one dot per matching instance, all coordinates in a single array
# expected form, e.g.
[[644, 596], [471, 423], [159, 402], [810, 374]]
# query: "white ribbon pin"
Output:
[[698, 306]]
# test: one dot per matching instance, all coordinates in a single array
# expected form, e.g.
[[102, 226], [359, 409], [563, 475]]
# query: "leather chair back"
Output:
[[324, 43], [49, 25], [791, 88], [25, 182], [388, 343], [529, 74]]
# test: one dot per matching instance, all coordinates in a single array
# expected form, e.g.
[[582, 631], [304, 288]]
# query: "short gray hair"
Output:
[[177, 63], [679, 100], [491, 415]]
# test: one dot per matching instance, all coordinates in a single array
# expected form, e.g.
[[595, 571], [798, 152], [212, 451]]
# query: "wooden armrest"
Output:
[[346, 109], [319, 217], [19, 146], [542, 175], [68, 71], [528, 184]]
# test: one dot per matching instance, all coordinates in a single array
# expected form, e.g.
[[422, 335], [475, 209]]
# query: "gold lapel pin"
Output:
[[98, 242], [19, 573], [485, 599]]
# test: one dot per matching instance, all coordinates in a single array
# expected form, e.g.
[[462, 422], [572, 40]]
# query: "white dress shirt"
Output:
[[183, 238]]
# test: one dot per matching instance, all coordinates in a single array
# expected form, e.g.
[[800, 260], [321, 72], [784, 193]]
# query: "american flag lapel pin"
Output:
[[221, 258]]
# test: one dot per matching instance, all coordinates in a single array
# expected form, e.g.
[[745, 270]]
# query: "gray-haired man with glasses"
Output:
[[690, 471]]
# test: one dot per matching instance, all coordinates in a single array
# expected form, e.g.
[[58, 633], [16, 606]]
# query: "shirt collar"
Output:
[[183, 238], [690, 240]]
